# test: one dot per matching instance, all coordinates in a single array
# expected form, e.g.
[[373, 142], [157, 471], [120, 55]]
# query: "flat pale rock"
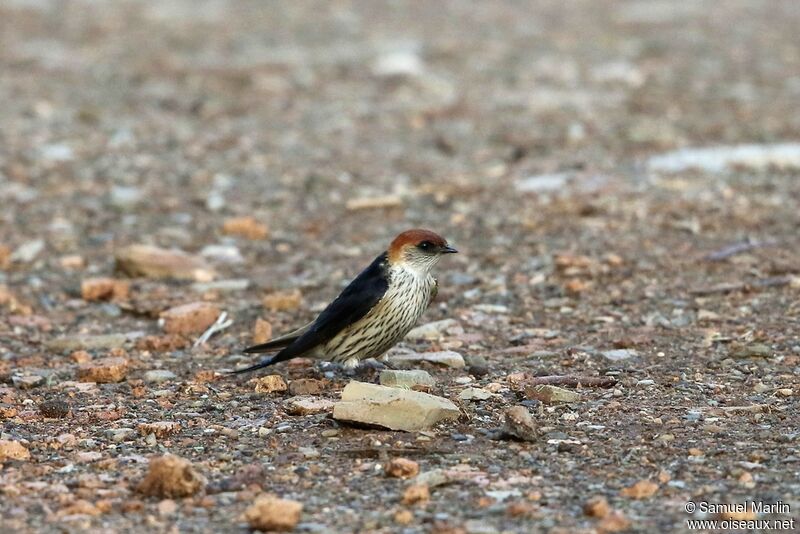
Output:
[[104, 370], [718, 159], [447, 358], [543, 183], [188, 319], [13, 450], [27, 381], [551, 394], [28, 251], [435, 477], [406, 379], [303, 405], [474, 394], [85, 457], [432, 331], [752, 350], [157, 376], [155, 262], [393, 408], [236, 284], [88, 342], [619, 354], [118, 435], [382, 202], [271, 514], [222, 254]]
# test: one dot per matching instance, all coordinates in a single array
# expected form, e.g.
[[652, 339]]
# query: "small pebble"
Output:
[[27, 381], [54, 408], [269, 514], [157, 376], [402, 468]]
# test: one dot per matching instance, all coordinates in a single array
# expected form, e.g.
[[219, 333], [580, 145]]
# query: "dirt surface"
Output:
[[528, 133]]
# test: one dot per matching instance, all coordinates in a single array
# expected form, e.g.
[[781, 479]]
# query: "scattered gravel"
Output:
[[620, 178]]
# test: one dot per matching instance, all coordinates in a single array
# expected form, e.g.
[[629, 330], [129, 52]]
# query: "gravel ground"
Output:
[[554, 143]]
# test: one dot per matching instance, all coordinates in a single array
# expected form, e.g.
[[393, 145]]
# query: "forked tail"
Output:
[[266, 362]]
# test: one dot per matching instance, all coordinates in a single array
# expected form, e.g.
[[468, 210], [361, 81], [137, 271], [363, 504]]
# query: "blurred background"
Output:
[[339, 123]]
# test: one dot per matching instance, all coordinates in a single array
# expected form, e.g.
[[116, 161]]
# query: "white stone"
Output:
[[619, 354], [57, 152], [552, 394], [448, 358], [398, 63], [28, 251], [618, 72], [125, 197], [432, 331], [308, 405], [722, 158], [406, 379], [222, 253], [234, 284], [543, 183], [474, 394], [215, 201], [393, 408], [156, 376], [498, 309]]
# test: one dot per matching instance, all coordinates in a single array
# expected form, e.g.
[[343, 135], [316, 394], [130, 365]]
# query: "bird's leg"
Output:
[[351, 363], [331, 369], [350, 366], [385, 361], [372, 364]]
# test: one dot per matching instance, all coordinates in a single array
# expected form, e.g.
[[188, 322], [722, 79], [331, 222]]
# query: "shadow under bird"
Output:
[[374, 312]]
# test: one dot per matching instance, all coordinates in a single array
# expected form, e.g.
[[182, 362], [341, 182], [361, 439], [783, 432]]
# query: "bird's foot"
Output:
[[376, 365], [328, 366], [352, 367], [331, 370], [349, 367]]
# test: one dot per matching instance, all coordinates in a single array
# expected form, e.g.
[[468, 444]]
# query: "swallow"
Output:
[[373, 313]]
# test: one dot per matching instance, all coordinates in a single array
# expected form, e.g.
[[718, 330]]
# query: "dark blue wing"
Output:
[[352, 304]]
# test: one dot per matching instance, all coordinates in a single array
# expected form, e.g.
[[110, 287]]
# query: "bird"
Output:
[[373, 313]]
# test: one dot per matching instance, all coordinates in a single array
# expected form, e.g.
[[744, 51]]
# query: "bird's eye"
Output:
[[425, 245]]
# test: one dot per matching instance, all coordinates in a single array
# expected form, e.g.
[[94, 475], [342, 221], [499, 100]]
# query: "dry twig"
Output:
[[777, 281], [738, 248], [219, 325], [572, 381]]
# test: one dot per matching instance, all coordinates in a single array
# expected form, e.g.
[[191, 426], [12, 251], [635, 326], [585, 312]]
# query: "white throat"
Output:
[[422, 269]]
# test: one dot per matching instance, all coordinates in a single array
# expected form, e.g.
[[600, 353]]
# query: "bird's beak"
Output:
[[447, 249]]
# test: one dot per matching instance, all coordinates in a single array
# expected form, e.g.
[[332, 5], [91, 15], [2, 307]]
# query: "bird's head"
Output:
[[418, 250]]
